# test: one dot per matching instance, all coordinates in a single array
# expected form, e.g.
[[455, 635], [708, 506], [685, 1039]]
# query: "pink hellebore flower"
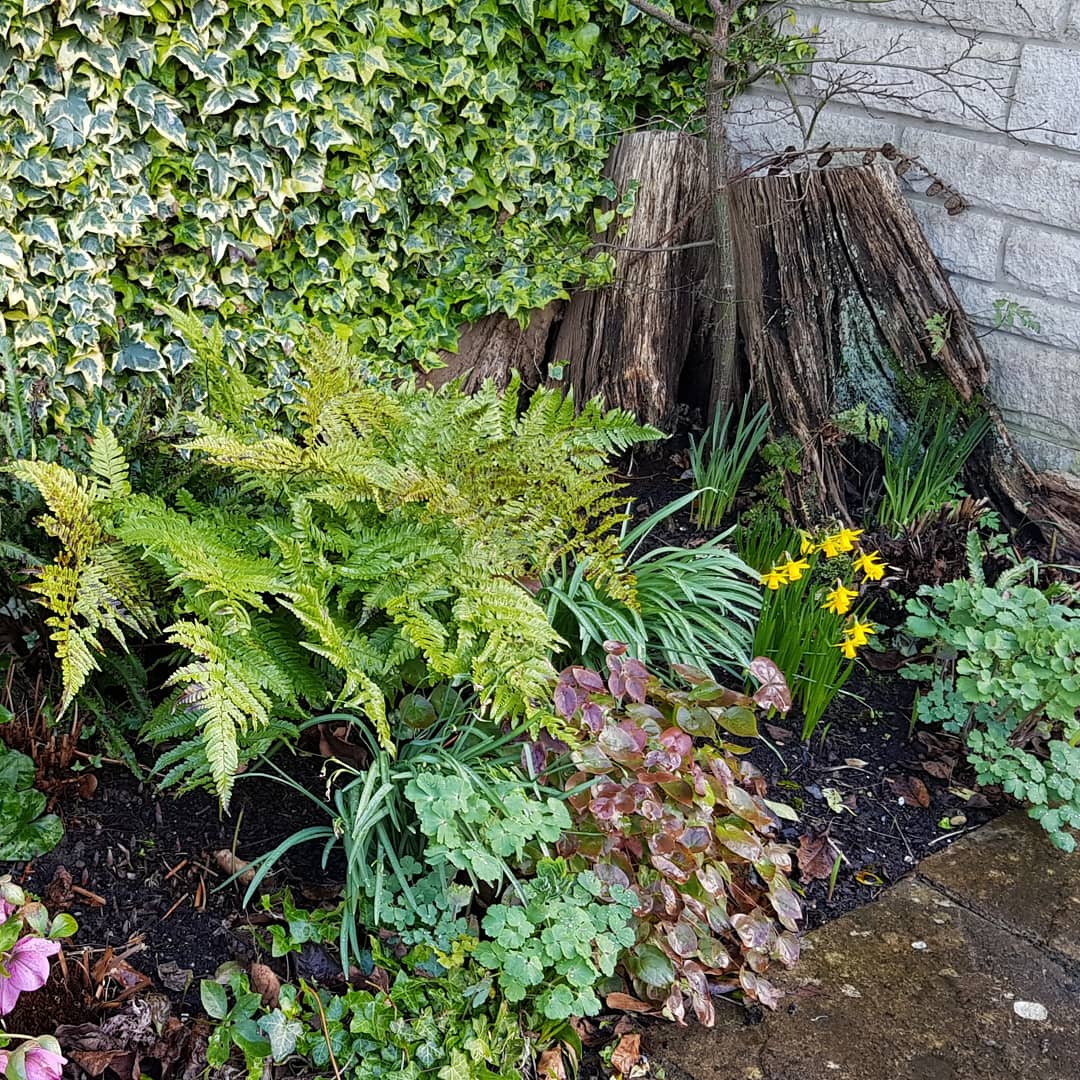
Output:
[[43, 1063], [6, 909], [27, 968], [3, 1057]]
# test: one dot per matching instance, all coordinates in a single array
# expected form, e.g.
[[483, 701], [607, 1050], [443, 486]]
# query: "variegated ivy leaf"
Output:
[[281, 167]]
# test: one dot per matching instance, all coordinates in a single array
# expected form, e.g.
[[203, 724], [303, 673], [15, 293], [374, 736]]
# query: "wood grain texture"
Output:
[[629, 342], [838, 282]]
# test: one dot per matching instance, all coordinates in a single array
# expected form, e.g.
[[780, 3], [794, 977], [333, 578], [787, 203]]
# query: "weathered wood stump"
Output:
[[629, 342]]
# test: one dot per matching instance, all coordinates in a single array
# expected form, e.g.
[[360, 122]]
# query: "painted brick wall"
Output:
[[1013, 152]]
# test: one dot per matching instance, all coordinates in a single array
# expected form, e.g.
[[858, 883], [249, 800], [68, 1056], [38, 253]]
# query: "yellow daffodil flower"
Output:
[[840, 599], [848, 648], [776, 577], [794, 568], [871, 566], [846, 538], [858, 633], [830, 547], [806, 543]]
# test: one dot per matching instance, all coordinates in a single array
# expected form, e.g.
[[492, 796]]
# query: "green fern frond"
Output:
[[229, 391], [108, 463]]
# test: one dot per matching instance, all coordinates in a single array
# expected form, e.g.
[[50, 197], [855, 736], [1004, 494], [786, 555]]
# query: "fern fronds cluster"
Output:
[[389, 527], [94, 584]]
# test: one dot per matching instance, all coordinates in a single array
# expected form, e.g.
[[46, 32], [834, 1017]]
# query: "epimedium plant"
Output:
[[397, 525], [1007, 680], [676, 815]]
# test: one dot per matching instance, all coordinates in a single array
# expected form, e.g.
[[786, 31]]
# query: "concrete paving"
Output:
[[967, 970]]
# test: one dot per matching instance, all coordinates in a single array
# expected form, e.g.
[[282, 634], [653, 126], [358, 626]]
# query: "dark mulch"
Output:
[[124, 846]]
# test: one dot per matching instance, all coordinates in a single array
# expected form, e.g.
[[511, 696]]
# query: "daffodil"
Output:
[[776, 577], [848, 648], [830, 547], [840, 542], [858, 633], [871, 566], [794, 569], [806, 543], [839, 601]]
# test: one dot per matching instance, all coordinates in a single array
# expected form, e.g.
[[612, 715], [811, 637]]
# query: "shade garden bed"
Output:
[[144, 875]]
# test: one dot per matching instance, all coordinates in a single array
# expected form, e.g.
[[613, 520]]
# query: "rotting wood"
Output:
[[629, 342], [838, 282], [496, 346]]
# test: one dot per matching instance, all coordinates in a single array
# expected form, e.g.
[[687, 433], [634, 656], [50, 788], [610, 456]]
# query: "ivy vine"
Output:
[[390, 170]]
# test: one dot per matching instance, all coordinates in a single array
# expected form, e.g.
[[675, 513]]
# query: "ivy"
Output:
[[395, 169]]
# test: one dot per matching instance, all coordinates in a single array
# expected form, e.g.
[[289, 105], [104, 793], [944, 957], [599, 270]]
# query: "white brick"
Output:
[[890, 65], [759, 125], [1024, 18], [1047, 262], [966, 243], [1038, 448], [1006, 179], [1059, 323], [1038, 388], [1048, 97], [1072, 27]]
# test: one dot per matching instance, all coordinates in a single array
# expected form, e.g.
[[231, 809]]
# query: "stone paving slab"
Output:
[[1009, 873], [919, 985]]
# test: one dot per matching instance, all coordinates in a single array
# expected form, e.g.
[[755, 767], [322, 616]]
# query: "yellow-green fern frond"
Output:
[[108, 463], [224, 691]]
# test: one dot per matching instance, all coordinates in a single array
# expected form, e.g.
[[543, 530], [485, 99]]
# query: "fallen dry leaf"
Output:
[[266, 984], [911, 791], [815, 857], [942, 769], [551, 1065], [626, 1003], [627, 1054], [230, 864]]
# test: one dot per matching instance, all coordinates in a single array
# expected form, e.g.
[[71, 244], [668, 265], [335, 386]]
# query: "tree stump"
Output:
[[496, 346], [629, 342], [838, 283]]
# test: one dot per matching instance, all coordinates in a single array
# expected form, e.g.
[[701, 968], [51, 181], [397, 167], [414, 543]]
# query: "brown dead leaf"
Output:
[[816, 857], [551, 1064], [911, 791], [95, 1062], [334, 744], [230, 864], [58, 894], [627, 1054], [266, 984], [778, 735], [626, 1003], [942, 769]]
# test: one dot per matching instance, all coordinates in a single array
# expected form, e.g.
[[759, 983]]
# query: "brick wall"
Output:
[[1009, 142]]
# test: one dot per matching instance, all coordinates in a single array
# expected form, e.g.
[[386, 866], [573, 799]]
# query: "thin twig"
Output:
[[174, 907], [325, 1029]]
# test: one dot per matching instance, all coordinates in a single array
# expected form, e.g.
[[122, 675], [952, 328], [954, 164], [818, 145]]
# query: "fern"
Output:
[[94, 584], [399, 525]]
